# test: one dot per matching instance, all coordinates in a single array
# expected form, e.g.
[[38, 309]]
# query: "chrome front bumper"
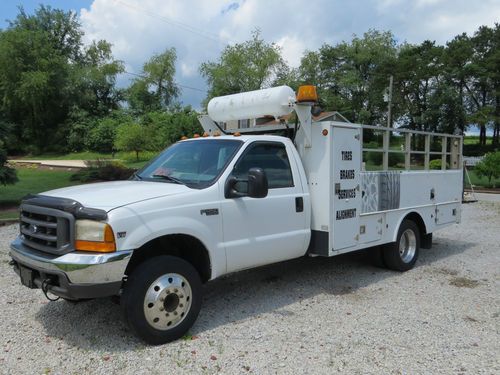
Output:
[[76, 274]]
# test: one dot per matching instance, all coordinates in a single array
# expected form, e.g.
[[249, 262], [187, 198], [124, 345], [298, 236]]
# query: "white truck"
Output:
[[226, 201]]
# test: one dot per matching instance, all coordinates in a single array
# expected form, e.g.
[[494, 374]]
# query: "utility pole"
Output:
[[389, 105]]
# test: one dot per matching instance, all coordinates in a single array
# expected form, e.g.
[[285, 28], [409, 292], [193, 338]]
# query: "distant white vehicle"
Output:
[[216, 204], [471, 161]]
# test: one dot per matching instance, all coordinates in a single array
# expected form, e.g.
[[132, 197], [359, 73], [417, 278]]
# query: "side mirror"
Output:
[[257, 183], [257, 186]]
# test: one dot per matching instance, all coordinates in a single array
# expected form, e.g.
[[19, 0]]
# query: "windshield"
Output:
[[196, 164]]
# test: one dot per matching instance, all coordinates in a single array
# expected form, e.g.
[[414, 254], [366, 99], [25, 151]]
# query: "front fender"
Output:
[[133, 228]]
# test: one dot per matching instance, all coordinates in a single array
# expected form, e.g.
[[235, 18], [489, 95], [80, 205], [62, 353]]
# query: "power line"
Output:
[[187, 27], [178, 84]]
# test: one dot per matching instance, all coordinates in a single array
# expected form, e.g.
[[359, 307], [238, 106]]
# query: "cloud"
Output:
[[292, 49], [188, 70], [200, 29]]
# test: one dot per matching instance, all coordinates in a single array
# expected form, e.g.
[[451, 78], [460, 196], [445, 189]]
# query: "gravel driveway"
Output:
[[311, 315]]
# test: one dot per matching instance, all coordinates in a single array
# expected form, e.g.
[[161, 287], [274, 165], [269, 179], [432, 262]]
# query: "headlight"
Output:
[[94, 236]]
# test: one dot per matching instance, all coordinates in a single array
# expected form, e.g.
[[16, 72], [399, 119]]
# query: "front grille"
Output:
[[46, 229]]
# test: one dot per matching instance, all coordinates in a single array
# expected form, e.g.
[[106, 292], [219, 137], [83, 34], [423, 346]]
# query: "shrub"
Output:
[[7, 174], [102, 170], [478, 150], [435, 164], [101, 138], [489, 167], [135, 137]]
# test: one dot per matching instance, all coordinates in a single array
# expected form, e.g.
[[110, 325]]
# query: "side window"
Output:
[[272, 158]]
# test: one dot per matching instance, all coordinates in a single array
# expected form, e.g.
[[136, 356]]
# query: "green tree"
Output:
[[46, 73], [489, 166], [36, 53], [457, 68], [7, 174], [247, 66], [492, 65], [101, 137], [481, 88], [417, 77], [171, 126], [135, 137], [155, 89], [96, 80], [352, 76]]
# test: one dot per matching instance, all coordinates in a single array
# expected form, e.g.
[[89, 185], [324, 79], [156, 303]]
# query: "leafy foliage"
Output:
[[135, 137], [45, 72], [7, 174], [173, 125], [101, 137], [246, 66], [489, 166], [102, 170], [155, 89], [435, 164]]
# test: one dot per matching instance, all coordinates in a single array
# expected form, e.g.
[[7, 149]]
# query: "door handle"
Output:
[[299, 204]]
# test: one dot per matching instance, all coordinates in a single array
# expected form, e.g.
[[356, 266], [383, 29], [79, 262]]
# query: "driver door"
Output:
[[260, 231]]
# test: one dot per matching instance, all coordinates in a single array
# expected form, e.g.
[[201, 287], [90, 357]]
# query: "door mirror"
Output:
[[257, 186], [257, 183]]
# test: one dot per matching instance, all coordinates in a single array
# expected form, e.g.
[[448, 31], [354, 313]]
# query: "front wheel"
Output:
[[402, 254], [161, 299]]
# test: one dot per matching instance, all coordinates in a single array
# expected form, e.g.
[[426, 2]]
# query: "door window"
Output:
[[272, 158]]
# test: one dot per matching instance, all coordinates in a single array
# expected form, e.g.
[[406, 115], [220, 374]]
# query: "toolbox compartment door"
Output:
[[346, 207]]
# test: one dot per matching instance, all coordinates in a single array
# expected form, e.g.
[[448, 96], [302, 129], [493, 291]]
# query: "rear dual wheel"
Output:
[[161, 299], [403, 254]]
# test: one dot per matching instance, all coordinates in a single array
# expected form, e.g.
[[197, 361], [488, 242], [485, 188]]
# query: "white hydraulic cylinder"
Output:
[[275, 101]]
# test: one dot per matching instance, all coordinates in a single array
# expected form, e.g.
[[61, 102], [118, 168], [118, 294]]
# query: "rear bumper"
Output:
[[75, 275]]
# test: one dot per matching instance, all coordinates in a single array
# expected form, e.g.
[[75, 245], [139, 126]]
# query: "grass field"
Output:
[[9, 215], [481, 181], [474, 139], [33, 181]]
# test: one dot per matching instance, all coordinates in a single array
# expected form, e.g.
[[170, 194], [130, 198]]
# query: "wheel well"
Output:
[[417, 219], [180, 245]]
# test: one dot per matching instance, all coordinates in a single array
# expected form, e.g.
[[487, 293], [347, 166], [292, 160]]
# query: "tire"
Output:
[[161, 299], [402, 254]]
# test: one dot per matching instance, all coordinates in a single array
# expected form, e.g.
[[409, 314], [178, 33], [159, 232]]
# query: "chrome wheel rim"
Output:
[[167, 301], [407, 246]]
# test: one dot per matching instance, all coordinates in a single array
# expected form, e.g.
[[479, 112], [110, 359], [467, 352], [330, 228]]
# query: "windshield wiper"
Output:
[[136, 176], [169, 178]]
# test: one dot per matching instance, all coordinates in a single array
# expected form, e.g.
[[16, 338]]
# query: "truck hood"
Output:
[[109, 195]]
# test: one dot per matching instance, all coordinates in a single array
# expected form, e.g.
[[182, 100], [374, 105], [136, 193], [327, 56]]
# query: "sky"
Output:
[[200, 29]]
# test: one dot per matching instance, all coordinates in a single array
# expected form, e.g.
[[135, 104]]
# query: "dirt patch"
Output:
[[468, 318], [464, 282], [446, 271]]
